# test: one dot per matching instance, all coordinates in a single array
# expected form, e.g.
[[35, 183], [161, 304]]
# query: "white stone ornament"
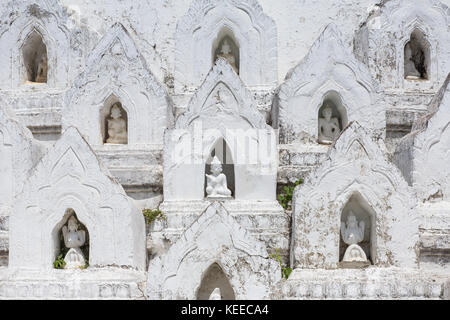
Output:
[[71, 176], [52, 67], [328, 127], [74, 239], [216, 295], [356, 166], [352, 234], [225, 53], [19, 152], [216, 185], [351, 231], [385, 41], [422, 156], [215, 237], [354, 253], [117, 127], [330, 71], [254, 32], [110, 77], [126, 117]]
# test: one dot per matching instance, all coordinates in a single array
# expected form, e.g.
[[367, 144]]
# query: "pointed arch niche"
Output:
[[417, 57], [332, 100], [200, 31], [35, 59], [213, 278], [223, 153], [58, 238], [106, 118], [227, 46], [362, 212]]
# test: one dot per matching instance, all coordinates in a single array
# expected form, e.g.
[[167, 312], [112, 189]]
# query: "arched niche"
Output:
[[330, 128], [58, 238], [35, 60], [417, 57], [363, 212], [111, 122], [223, 153], [213, 278], [226, 46]]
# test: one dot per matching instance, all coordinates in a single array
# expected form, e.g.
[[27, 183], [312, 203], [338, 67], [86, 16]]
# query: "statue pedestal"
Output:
[[219, 198], [354, 264], [354, 257], [74, 259]]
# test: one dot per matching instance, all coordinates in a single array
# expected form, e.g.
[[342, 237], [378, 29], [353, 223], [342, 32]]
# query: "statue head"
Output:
[[115, 111], [216, 166], [226, 48], [327, 112], [73, 224]]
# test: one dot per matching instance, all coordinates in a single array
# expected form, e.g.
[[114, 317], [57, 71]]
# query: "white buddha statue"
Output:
[[117, 127], [353, 233], [216, 184], [329, 128], [74, 239], [227, 55], [216, 295]]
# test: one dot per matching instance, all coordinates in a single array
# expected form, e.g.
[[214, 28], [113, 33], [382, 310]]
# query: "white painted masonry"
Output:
[[137, 180]]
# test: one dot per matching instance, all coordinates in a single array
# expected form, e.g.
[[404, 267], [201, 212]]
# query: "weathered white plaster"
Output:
[[388, 29], [222, 108], [356, 166], [214, 238], [329, 72], [49, 21], [265, 220], [18, 154], [91, 284], [203, 26], [422, 156], [39, 104], [116, 72], [369, 284], [70, 176], [157, 59]]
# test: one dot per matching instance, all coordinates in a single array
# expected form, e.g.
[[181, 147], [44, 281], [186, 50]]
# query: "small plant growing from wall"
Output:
[[285, 270], [285, 198], [151, 215], [59, 263]]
